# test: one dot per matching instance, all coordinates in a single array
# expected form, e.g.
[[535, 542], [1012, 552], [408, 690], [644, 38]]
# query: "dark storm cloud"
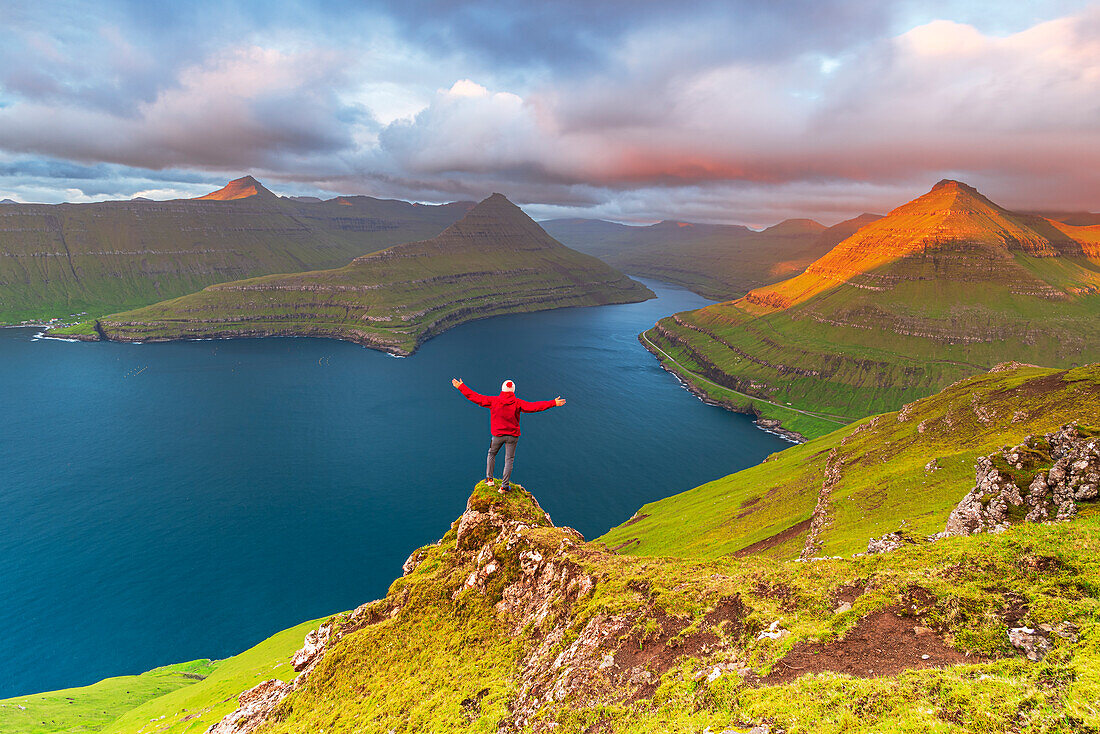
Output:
[[626, 109]]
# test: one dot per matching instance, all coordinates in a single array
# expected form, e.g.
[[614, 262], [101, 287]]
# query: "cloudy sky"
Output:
[[634, 110]]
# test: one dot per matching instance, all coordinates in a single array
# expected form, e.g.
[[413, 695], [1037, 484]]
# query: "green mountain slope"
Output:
[[495, 260], [57, 260], [511, 624], [91, 708], [911, 466], [190, 696], [716, 261], [941, 288]]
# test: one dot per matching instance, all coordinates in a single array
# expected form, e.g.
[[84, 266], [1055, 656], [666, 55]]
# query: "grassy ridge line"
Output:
[[58, 260], [945, 286], [91, 708], [753, 406], [910, 466], [447, 663], [495, 260], [439, 656]]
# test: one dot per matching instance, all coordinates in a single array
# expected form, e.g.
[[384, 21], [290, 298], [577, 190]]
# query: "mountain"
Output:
[[1080, 219], [903, 470], [63, 259], [717, 261], [8, 201], [494, 260], [689, 618], [239, 188], [941, 288]]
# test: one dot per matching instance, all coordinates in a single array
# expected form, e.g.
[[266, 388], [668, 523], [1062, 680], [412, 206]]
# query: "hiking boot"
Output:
[[504, 488], [489, 482]]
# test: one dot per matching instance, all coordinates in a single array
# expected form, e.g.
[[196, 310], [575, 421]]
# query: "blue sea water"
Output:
[[165, 502]]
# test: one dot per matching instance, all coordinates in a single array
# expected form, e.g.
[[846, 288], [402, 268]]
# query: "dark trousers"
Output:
[[509, 456]]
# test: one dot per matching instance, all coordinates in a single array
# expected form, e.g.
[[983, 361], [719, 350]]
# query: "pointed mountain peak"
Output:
[[950, 195], [492, 224], [497, 204], [240, 188], [796, 226]]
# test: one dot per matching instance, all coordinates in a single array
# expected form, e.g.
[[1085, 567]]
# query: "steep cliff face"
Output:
[[494, 260], [942, 287]]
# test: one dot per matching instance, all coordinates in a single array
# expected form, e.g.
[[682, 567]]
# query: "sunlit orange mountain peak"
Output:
[[952, 233], [240, 188]]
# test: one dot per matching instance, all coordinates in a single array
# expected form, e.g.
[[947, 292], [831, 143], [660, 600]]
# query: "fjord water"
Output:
[[164, 502]]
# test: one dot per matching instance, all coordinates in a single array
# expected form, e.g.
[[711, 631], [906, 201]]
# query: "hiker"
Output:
[[504, 410]]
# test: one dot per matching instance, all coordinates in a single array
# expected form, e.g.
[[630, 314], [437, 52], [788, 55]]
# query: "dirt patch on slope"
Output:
[[1038, 386], [781, 537], [656, 650], [883, 643]]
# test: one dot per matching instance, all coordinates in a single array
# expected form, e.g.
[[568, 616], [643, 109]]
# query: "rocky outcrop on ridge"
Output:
[[1040, 479], [508, 549]]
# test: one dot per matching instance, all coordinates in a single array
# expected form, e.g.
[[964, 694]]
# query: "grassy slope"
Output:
[[716, 261], [905, 326], [57, 260], [884, 480], [192, 709], [90, 708], [411, 673], [496, 260]]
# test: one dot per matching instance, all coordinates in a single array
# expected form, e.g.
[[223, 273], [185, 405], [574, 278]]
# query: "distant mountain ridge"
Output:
[[718, 261], [58, 259], [942, 287], [494, 260]]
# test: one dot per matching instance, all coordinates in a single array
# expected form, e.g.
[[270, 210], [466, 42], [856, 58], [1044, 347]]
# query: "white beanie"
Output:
[[507, 386]]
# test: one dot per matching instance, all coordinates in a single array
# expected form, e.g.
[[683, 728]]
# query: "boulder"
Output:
[[1041, 479]]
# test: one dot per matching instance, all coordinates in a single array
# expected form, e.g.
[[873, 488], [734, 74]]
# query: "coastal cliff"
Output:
[[943, 287], [495, 260], [765, 601]]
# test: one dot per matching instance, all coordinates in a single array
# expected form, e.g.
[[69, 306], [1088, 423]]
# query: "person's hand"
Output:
[[456, 382], [559, 401]]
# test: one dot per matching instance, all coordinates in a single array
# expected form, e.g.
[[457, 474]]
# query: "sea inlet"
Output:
[[166, 502]]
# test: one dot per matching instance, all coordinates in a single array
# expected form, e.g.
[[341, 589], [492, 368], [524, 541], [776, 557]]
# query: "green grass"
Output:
[[868, 365], [91, 708], [434, 645], [67, 259], [495, 261], [884, 479], [193, 709]]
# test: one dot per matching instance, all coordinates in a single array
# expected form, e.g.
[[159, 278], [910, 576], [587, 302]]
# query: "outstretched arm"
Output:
[[472, 396], [537, 405]]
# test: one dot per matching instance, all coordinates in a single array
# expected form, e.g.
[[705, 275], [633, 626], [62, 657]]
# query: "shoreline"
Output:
[[768, 425]]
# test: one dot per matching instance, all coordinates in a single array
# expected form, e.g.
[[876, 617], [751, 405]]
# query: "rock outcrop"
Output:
[[1041, 479], [536, 579]]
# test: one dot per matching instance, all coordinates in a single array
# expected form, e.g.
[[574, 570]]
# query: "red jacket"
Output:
[[504, 409]]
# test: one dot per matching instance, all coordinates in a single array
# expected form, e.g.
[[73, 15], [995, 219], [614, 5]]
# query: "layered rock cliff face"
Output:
[[494, 260], [945, 286], [1040, 479], [57, 260]]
